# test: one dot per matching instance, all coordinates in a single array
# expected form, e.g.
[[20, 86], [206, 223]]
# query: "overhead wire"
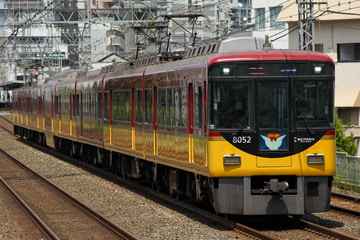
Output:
[[96, 43], [320, 12]]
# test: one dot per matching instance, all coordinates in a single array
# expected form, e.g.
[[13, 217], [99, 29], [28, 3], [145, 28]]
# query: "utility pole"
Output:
[[306, 23]]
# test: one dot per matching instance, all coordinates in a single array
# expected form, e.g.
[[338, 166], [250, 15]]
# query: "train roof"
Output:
[[232, 49], [270, 55]]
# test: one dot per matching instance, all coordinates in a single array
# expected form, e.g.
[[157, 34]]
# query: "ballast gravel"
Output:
[[143, 217], [140, 216]]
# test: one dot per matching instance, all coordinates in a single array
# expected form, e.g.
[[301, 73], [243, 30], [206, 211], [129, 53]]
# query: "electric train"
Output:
[[249, 132]]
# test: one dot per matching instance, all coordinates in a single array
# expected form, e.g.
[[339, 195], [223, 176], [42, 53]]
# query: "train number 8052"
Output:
[[242, 139]]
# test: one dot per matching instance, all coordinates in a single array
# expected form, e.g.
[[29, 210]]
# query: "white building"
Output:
[[336, 34], [264, 15]]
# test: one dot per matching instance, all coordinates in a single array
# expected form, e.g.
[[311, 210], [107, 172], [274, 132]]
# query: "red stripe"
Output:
[[154, 108], [214, 134], [102, 92], [110, 107], [330, 132], [71, 110], [132, 109], [76, 110]]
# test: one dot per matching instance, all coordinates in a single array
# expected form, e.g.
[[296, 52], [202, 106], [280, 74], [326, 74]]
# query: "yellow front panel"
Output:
[[252, 165], [269, 162]]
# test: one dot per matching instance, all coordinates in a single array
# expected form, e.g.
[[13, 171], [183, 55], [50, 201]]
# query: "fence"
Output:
[[347, 170]]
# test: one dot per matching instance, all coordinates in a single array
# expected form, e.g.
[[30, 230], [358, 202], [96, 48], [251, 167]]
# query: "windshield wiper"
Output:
[[242, 121], [311, 131]]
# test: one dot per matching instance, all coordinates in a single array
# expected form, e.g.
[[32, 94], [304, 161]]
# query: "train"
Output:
[[246, 130]]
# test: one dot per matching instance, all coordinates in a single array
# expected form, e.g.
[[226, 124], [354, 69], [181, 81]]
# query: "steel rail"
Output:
[[116, 229], [45, 229], [327, 231]]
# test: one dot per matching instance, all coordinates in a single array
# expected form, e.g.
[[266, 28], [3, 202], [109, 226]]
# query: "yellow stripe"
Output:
[[110, 134], [155, 142], [70, 127], [59, 125], [52, 124], [206, 152], [43, 123], [133, 138], [38, 121], [191, 148]]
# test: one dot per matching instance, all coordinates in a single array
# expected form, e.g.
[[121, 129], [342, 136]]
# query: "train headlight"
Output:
[[318, 69], [232, 160], [315, 158], [226, 71]]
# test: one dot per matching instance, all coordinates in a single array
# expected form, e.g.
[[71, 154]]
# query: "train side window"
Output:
[[28, 104], [73, 105], [99, 105], [121, 106], [138, 106], [170, 106], [148, 106], [56, 106], [116, 105], [180, 100], [93, 103], [23, 105], [107, 105], [198, 113], [162, 106], [63, 105], [88, 104], [84, 104], [77, 105]]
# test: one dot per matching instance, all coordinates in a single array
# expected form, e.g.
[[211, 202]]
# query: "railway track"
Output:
[[56, 214], [325, 233], [345, 204], [242, 230], [300, 228]]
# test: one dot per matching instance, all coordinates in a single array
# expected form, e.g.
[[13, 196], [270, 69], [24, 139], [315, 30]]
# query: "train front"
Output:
[[271, 144]]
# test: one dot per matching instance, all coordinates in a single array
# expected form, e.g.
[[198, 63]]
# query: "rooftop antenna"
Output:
[[266, 45]]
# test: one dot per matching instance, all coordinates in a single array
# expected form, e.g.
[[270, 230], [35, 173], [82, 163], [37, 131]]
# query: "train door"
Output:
[[107, 121], [56, 113], [43, 111], [155, 124], [191, 122], [39, 111], [273, 119], [199, 127], [132, 119], [139, 122], [81, 114], [27, 109], [71, 109]]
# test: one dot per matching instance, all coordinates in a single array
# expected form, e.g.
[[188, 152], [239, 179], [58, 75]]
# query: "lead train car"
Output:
[[250, 132]]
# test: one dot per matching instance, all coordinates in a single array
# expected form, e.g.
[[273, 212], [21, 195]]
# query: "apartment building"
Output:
[[337, 33]]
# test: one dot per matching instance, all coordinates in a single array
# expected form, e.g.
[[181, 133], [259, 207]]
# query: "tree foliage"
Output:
[[344, 143]]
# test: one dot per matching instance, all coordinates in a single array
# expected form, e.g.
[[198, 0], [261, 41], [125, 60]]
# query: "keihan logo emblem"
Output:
[[273, 141]]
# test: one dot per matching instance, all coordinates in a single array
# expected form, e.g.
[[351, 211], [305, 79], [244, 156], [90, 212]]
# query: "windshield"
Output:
[[313, 104], [230, 104], [272, 99]]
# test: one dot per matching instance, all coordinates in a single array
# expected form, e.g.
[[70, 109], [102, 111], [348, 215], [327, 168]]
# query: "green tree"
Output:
[[344, 143]]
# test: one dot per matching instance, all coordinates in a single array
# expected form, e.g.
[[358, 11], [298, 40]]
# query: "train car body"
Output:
[[250, 132]]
